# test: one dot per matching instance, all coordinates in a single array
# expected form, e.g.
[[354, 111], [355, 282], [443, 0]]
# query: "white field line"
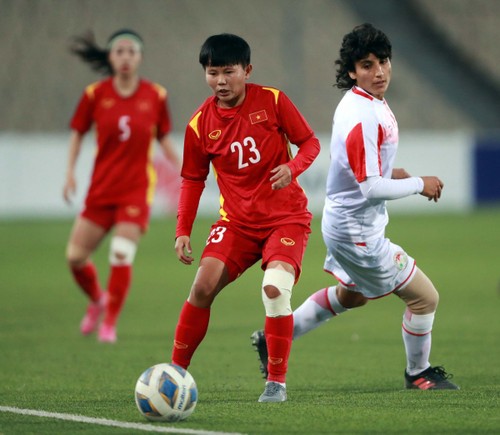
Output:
[[114, 423]]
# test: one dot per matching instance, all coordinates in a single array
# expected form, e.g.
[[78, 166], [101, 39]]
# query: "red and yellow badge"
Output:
[[257, 117], [214, 135], [144, 106], [132, 211], [287, 241], [107, 103]]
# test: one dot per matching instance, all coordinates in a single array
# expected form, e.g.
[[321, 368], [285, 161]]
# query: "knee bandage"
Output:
[[283, 281], [122, 251], [417, 324]]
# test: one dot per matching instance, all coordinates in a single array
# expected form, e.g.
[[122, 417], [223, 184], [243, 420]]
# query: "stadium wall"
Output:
[[33, 166]]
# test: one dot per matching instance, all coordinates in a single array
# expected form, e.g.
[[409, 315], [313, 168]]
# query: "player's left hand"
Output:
[[282, 177]]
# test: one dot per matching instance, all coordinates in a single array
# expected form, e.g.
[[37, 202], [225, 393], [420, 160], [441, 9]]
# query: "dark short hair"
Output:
[[224, 49], [356, 45]]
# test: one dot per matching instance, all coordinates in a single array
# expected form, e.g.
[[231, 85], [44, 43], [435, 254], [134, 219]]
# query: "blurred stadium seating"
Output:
[[294, 43]]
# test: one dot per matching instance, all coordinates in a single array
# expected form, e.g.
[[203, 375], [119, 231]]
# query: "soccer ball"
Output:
[[166, 392]]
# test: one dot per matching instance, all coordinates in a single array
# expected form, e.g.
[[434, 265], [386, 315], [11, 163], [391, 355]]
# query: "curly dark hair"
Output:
[[87, 49], [356, 45]]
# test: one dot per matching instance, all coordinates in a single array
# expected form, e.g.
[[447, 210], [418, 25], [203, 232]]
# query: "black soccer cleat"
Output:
[[433, 378], [259, 342]]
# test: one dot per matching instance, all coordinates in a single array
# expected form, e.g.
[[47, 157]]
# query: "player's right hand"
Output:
[[69, 189], [433, 187], [183, 249]]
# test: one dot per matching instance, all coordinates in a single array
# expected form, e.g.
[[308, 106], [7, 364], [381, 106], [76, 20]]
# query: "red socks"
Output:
[[189, 333], [86, 278], [118, 286], [279, 334]]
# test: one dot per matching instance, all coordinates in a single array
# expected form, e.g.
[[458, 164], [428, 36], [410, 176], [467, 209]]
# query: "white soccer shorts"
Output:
[[375, 269]]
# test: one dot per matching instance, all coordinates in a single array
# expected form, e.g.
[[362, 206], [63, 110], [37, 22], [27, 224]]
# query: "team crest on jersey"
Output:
[[133, 211], [108, 103], [257, 117], [287, 241], [400, 260], [144, 106], [214, 135]]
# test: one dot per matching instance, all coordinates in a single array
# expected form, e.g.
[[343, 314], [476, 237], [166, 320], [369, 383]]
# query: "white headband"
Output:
[[130, 36]]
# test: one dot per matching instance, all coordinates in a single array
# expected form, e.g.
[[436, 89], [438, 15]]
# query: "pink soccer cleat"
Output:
[[92, 316], [107, 333]]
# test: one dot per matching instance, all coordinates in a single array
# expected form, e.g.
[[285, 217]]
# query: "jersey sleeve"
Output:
[[189, 201], [385, 188], [363, 148], [291, 120], [196, 161], [299, 133], [195, 169], [164, 120], [82, 118]]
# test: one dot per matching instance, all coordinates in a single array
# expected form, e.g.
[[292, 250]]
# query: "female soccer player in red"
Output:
[[244, 130], [129, 112]]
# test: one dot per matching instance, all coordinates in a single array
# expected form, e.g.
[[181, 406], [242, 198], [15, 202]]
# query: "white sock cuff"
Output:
[[418, 324], [333, 300]]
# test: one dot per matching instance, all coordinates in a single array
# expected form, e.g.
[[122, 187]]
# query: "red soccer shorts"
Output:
[[240, 248], [107, 216]]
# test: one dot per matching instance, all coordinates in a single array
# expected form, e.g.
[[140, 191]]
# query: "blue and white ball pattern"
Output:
[[166, 392]]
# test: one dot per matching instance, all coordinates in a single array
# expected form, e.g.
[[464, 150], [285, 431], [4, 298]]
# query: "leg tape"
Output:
[[283, 281], [122, 251], [417, 324]]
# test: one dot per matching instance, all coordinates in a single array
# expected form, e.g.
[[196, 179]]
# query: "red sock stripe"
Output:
[[321, 298], [413, 333]]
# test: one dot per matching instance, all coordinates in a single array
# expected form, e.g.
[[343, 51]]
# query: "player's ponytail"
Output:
[[86, 48]]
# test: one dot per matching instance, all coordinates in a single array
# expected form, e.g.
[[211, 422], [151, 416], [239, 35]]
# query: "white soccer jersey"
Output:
[[363, 144]]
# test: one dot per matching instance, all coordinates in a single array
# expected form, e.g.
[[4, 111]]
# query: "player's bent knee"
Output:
[[420, 296], [282, 281], [76, 256], [122, 251], [350, 299]]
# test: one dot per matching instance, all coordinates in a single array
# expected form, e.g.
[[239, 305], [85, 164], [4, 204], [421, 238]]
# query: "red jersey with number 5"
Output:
[[126, 128], [243, 148]]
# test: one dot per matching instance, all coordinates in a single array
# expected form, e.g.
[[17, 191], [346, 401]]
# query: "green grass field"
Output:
[[346, 377]]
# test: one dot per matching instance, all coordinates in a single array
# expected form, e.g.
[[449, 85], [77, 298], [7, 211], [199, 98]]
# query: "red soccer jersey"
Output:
[[243, 150], [125, 130]]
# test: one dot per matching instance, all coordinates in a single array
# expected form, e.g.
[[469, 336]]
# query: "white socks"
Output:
[[316, 310], [417, 339]]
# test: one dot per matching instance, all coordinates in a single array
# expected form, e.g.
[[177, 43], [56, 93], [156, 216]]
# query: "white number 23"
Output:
[[251, 146], [216, 235]]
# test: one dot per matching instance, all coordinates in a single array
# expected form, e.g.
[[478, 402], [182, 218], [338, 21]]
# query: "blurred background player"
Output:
[[244, 130], [129, 113], [360, 180]]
